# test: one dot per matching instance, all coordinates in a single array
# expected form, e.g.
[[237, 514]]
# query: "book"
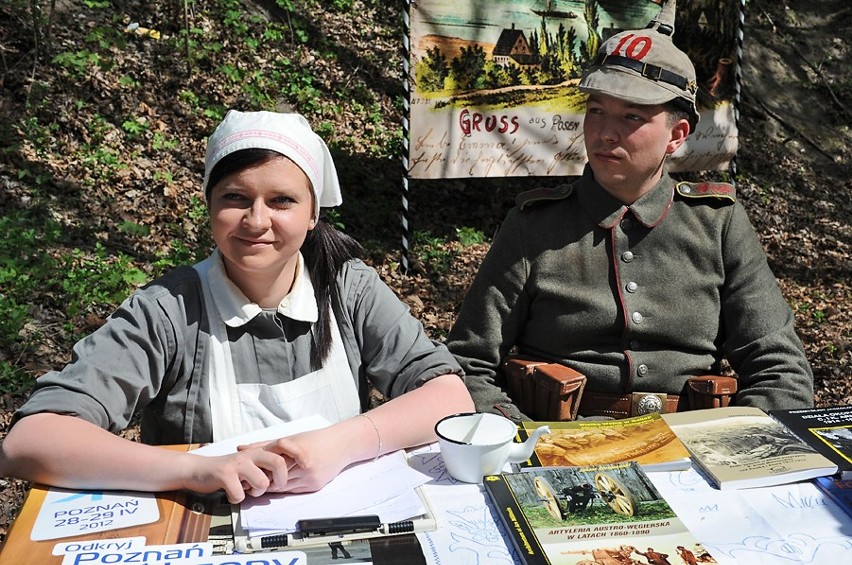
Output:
[[592, 514], [838, 490], [744, 447], [828, 430], [646, 439]]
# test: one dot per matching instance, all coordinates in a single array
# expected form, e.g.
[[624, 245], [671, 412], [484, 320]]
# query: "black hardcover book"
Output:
[[828, 430]]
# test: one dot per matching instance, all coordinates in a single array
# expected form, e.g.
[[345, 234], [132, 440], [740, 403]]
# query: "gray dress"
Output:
[[151, 355]]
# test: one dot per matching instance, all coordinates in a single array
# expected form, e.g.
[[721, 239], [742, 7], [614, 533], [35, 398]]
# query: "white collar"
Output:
[[299, 304]]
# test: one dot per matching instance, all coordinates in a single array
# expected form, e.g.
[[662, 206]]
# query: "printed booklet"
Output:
[[592, 514], [646, 439], [744, 447]]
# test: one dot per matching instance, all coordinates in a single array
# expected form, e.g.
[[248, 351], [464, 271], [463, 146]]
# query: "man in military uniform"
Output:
[[633, 280]]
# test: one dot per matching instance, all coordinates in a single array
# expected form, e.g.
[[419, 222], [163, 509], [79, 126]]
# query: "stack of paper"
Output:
[[385, 487]]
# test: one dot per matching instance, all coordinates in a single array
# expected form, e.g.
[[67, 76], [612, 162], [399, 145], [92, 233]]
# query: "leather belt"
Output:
[[625, 405]]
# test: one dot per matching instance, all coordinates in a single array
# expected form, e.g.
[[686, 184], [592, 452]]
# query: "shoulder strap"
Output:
[[541, 194], [707, 190]]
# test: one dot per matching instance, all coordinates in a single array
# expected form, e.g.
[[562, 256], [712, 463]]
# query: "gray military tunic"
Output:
[[638, 298], [151, 355]]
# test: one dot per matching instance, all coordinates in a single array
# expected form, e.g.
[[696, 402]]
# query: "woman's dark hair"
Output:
[[325, 248]]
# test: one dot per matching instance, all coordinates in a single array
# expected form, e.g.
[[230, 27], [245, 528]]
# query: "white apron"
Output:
[[238, 408]]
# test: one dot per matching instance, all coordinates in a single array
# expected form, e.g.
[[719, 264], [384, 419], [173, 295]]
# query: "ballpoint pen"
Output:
[[324, 531]]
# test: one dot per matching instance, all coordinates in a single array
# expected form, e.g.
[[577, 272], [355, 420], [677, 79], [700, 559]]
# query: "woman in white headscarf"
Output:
[[281, 322]]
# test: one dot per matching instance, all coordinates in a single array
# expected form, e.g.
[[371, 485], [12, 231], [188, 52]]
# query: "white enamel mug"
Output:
[[477, 444]]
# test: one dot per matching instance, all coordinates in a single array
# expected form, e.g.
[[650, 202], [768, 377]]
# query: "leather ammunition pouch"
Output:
[[551, 392], [710, 391], [544, 391]]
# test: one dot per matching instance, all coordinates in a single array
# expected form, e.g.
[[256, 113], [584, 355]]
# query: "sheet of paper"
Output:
[[785, 524], [266, 434], [468, 532], [66, 513], [359, 489]]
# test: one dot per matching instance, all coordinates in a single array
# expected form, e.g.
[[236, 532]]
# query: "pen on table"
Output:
[[326, 530]]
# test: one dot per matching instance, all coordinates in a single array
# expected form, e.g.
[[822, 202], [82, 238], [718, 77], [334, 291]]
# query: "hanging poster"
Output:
[[493, 83]]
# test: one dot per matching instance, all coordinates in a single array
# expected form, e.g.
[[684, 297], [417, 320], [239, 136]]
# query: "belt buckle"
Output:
[[647, 402]]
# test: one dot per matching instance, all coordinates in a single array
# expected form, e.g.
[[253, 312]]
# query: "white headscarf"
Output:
[[288, 134]]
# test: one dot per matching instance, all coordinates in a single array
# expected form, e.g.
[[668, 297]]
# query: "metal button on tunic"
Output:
[[626, 224], [627, 256], [642, 370], [632, 286], [636, 317]]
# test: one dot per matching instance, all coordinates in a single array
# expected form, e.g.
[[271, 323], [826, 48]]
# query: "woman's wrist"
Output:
[[360, 439], [378, 435]]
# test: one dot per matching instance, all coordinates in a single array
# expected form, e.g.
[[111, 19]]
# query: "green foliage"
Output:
[[77, 62], [135, 127], [178, 254], [332, 216], [23, 269], [235, 19], [14, 380], [296, 27], [104, 37], [160, 142], [230, 72], [342, 5], [13, 315], [215, 112], [814, 307], [129, 82], [97, 278], [134, 229], [433, 251], [22, 237], [597, 513], [197, 210], [469, 236], [431, 71], [467, 68], [75, 282], [51, 257], [189, 97]]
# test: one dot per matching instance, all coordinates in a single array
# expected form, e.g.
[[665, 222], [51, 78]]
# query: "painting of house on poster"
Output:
[[493, 83]]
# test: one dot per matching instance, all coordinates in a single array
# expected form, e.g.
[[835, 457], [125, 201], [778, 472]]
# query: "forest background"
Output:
[[105, 107]]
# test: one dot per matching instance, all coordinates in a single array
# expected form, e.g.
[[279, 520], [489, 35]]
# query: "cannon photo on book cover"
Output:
[[592, 514]]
